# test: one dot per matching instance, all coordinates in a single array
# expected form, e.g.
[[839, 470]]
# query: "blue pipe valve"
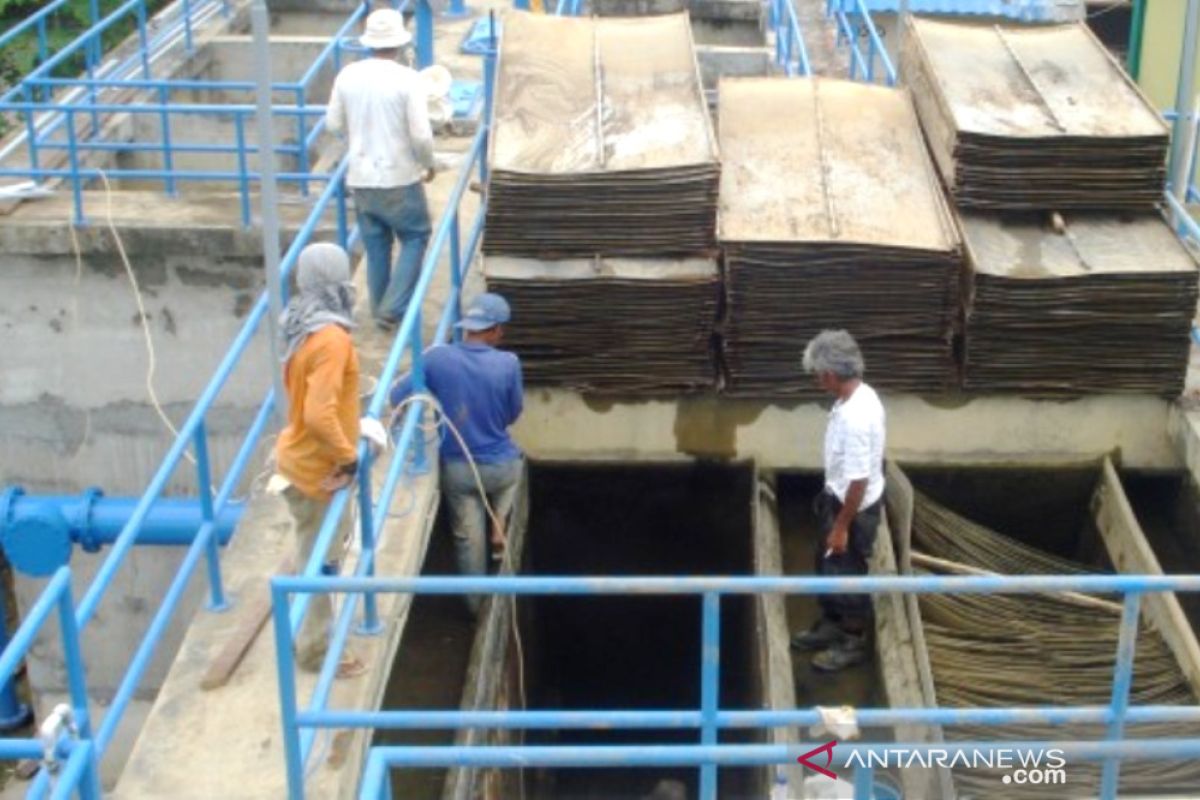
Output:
[[38, 533]]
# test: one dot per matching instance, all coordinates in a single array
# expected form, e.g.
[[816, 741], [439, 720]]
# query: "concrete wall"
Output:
[[74, 409], [560, 425]]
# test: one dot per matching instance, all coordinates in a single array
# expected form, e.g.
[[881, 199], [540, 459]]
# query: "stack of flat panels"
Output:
[[1033, 118], [1100, 304], [624, 326], [832, 217], [601, 142]]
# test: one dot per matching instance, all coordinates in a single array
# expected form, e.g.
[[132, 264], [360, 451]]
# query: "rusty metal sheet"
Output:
[[1033, 118], [812, 160], [581, 95], [1033, 81], [1100, 303], [602, 141], [611, 326]]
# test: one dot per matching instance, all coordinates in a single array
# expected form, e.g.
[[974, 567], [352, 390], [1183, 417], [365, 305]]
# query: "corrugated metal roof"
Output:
[[1027, 10]]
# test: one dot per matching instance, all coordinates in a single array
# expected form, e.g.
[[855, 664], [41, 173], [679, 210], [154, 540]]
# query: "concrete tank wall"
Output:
[[74, 409]]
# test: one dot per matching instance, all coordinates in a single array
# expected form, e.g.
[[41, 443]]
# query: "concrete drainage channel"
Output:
[[707, 518]]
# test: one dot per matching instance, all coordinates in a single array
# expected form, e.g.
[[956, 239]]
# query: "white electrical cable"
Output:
[[137, 296], [441, 418]]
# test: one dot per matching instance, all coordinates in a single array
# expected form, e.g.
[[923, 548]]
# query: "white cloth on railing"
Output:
[[841, 722]]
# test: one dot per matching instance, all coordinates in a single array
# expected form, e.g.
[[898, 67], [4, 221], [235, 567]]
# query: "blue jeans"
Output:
[[385, 215], [468, 517]]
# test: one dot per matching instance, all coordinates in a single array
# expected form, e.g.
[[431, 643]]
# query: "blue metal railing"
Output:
[[75, 742], [790, 51], [447, 243], [63, 114], [707, 720], [854, 23]]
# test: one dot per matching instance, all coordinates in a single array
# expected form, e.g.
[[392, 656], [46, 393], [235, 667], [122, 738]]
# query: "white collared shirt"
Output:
[[382, 108], [854, 440]]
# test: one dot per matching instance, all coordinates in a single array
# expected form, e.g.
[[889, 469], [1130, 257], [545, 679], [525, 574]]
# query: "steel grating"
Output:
[[602, 141], [1033, 117], [831, 216]]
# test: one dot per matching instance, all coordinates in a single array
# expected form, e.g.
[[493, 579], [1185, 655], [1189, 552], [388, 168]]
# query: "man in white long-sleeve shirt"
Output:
[[849, 506], [380, 105]]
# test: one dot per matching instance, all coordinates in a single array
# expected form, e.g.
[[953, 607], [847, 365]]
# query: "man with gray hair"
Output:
[[849, 506]]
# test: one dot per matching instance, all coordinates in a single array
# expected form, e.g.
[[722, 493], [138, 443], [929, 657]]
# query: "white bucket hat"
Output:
[[385, 30]]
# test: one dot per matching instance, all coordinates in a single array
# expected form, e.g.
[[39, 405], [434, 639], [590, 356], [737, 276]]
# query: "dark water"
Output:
[[635, 652]]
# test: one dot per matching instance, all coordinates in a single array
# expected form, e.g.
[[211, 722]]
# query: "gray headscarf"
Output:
[[325, 295]]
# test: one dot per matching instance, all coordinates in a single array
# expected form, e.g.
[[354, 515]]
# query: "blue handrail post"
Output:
[[458, 9], [301, 140], [456, 275], [420, 460], [73, 159], [287, 692], [864, 780], [239, 126], [343, 221], [31, 134], [13, 713], [370, 625], [216, 600], [187, 26], [143, 41], [710, 676], [489, 86], [1110, 777], [424, 15], [168, 155], [89, 787], [521, 5], [95, 48], [43, 53]]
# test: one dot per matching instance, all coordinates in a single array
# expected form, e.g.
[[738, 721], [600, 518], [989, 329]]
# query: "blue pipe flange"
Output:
[[87, 532], [39, 542]]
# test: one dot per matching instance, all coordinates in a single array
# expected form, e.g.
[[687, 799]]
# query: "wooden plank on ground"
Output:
[[1131, 554], [252, 615]]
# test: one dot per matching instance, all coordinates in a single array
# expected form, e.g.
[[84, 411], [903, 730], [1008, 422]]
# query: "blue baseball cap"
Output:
[[486, 311]]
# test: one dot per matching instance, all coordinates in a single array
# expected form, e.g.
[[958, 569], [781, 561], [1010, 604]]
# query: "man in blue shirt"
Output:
[[480, 391]]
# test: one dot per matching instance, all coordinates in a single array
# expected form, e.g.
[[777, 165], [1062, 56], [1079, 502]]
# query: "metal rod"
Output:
[[269, 200], [710, 676], [694, 585], [167, 152], [287, 695], [1185, 96], [1122, 682], [728, 720]]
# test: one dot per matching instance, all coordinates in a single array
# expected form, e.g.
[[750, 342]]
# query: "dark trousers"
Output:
[[851, 612]]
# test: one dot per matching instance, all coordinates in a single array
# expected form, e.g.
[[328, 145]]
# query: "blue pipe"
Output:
[[13, 713], [37, 532]]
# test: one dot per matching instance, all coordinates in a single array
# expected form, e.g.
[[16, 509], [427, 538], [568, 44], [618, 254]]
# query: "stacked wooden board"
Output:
[[1033, 117], [1100, 303], [831, 216], [601, 140], [616, 325]]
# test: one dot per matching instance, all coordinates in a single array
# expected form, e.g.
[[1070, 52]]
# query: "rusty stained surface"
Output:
[[625, 269], [582, 95], [1036, 81], [818, 160], [1025, 246]]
